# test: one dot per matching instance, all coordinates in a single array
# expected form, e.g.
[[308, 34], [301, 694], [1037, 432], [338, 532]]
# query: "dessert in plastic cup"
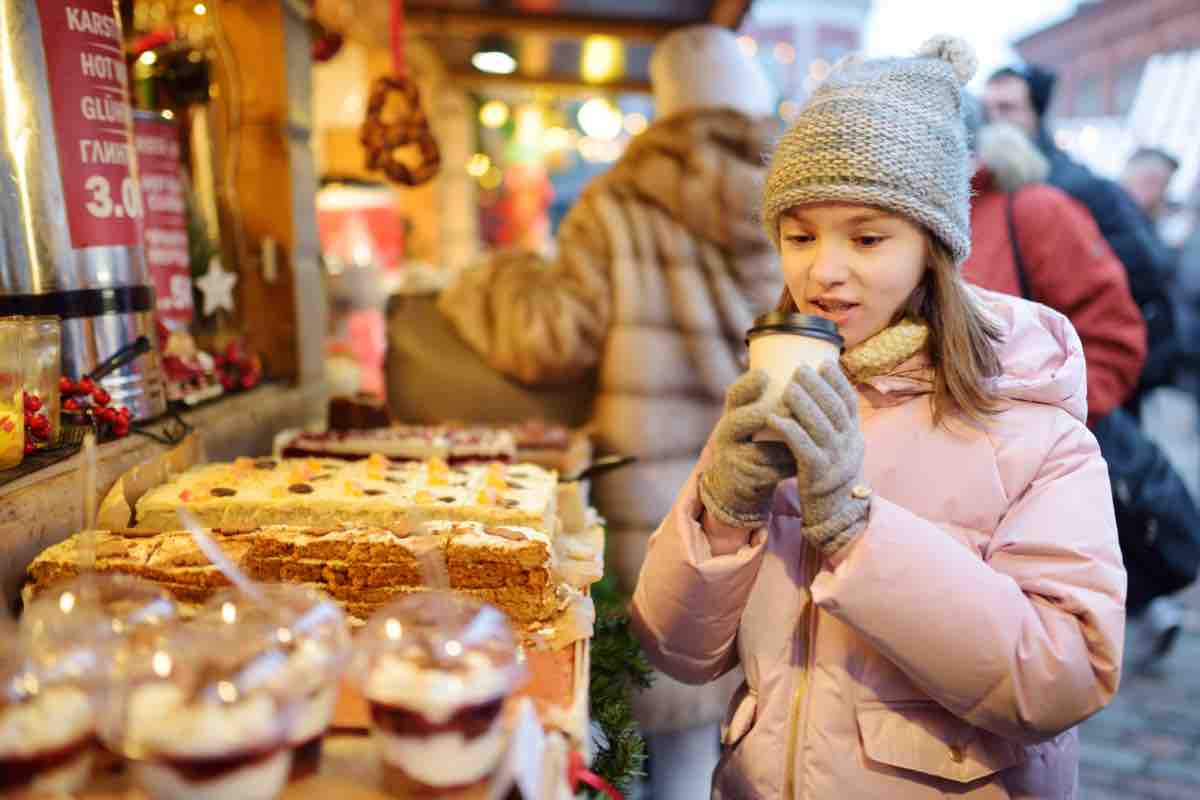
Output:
[[46, 726], [72, 630], [782, 341], [435, 669], [199, 713], [312, 630], [77, 625]]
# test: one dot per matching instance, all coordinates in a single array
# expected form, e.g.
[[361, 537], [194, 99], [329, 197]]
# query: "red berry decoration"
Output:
[[33, 403], [120, 428], [72, 405], [29, 448], [66, 385], [125, 413], [101, 397], [87, 385]]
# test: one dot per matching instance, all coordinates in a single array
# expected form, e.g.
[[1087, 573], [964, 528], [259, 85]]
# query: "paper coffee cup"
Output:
[[780, 342]]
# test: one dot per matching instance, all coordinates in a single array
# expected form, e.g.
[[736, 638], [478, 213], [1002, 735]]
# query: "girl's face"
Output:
[[852, 264]]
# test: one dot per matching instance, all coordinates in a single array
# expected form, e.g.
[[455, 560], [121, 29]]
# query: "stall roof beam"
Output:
[[461, 23]]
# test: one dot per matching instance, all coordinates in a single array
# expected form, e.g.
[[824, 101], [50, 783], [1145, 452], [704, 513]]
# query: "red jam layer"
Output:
[[207, 768], [306, 758], [16, 772], [470, 721]]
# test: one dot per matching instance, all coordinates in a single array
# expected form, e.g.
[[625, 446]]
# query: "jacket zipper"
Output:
[[798, 712]]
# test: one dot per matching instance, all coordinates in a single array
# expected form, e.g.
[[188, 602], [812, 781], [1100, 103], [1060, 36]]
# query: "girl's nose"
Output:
[[829, 265]]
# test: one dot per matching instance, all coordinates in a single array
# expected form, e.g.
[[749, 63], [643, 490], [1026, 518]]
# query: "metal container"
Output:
[[70, 205]]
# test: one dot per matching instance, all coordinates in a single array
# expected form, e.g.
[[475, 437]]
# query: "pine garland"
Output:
[[619, 668]]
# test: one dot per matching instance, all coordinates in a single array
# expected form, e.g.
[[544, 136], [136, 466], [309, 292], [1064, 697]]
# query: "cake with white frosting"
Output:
[[378, 492]]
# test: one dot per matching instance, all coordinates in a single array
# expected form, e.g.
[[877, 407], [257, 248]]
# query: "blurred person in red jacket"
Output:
[[1067, 263]]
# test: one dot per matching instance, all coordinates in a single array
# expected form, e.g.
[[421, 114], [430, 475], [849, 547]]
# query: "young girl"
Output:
[[923, 584]]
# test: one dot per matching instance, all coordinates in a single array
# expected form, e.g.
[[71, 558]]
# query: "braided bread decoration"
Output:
[[395, 125]]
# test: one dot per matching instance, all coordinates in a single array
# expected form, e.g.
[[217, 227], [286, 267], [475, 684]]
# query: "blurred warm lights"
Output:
[[600, 119], [148, 58], [602, 58], [491, 179], [635, 123], [819, 70], [493, 114], [495, 63], [529, 123], [200, 9], [478, 165], [600, 151], [229, 613], [748, 45], [66, 602], [556, 138], [788, 110], [784, 53], [161, 664]]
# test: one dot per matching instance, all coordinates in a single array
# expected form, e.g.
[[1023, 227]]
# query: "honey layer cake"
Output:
[[364, 568]]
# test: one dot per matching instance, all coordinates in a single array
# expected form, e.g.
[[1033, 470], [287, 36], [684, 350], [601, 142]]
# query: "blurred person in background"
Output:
[[1146, 176], [1067, 264], [661, 268], [1034, 240], [1021, 95]]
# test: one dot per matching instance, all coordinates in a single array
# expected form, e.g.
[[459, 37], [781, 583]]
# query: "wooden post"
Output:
[[267, 183]]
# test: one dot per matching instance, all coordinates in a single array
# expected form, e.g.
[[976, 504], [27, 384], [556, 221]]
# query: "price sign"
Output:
[[156, 141], [89, 93]]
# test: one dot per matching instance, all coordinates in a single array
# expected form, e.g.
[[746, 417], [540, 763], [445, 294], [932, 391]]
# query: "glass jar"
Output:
[[12, 379], [43, 366]]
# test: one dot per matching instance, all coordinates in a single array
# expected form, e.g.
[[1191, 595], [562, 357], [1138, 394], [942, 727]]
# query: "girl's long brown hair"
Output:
[[962, 340]]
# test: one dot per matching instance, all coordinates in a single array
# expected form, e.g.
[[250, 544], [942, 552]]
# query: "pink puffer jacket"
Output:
[[956, 644]]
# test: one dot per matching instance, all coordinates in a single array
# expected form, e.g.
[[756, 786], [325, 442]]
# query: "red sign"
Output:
[[156, 141], [89, 93]]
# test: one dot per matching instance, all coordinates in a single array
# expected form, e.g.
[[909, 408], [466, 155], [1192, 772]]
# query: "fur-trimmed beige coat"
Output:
[[661, 267]]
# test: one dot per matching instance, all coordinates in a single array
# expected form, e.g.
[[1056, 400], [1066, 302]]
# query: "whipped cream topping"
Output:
[[164, 720], [49, 720], [433, 692]]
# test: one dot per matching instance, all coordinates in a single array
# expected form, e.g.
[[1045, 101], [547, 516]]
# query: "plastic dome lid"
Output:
[[304, 622], [72, 629], [436, 652]]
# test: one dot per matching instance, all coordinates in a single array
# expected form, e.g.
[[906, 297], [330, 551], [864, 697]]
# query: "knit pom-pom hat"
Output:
[[886, 133]]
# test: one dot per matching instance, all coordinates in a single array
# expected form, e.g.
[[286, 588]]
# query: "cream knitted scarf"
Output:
[[885, 351]]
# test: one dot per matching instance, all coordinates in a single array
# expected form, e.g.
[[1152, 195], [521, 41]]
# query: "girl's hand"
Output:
[[820, 427], [737, 486]]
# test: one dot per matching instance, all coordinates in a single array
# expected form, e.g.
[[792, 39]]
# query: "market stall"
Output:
[[165, 292]]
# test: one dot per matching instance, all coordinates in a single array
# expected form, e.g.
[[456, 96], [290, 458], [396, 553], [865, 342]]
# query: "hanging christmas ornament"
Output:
[[396, 133], [217, 288], [325, 43]]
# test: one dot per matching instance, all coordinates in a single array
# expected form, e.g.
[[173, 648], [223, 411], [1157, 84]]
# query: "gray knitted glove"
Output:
[[820, 425], [737, 486]]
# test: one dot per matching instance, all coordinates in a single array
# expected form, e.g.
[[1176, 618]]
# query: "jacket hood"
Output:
[[1041, 358], [1011, 158], [705, 169]]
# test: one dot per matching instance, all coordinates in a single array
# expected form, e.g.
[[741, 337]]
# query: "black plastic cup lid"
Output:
[[792, 322]]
